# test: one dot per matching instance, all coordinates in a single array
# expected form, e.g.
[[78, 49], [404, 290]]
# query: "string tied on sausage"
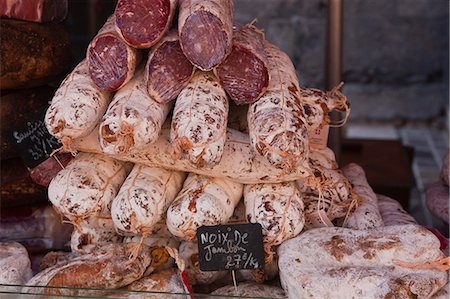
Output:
[[439, 265], [339, 102], [135, 252], [67, 145]]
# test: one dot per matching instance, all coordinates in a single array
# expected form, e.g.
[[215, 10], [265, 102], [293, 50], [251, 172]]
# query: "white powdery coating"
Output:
[[77, 106], [277, 207], [87, 186], [159, 238], [277, 125], [392, 212], [335, 189], [202, 201], [92, 231], [188, 251], [338, 262], [367, 214], [199, 123], [15, 265], [144, 198], [133, 119], [239, 162]]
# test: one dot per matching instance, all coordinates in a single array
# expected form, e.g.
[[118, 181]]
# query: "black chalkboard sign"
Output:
[[230, 247], [33, 142]]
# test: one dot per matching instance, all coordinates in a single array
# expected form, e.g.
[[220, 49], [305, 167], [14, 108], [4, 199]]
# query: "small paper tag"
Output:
[[33, 142], [230, 247], [319, 137]]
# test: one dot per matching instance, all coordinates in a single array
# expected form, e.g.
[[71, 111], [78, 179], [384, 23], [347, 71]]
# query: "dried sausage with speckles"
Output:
[[277, 124], [133, 119], [167, 71], [279, 210], [111, 61], [392, 212], [199, 122], [239, 162], [142, 23], [77, 106], [202, 201], [86, 187], [206, 31], [367, 214], [245, 74], [144, 198]]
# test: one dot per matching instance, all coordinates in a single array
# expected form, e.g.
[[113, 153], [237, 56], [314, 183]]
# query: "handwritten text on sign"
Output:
[[230, 247], [34, 143]]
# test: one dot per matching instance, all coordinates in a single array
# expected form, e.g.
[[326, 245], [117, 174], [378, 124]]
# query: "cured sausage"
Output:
[[133, 119], [77, 107], [279, 210], [32, 54], [245, 73], [111, 61], [167, 71], [142, 23], [386, 262], [144, 198], [367, 214], [205, 28], [392, 212], [35, 10], [86, 187], [199, 121], [107, 266], [277, 125], [202, 201], [239, 162]]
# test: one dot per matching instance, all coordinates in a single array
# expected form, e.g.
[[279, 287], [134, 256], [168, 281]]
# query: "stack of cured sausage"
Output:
[[156, 157]]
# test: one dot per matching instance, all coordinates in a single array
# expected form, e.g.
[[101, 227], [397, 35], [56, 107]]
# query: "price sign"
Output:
[[33, 142], [230, 247]]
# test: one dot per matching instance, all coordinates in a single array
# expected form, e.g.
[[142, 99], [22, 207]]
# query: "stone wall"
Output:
[[395, 56]]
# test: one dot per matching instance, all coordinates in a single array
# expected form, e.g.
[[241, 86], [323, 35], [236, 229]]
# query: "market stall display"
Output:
[[155, 160]]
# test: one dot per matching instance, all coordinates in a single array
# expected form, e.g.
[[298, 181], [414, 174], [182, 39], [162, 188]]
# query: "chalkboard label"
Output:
[[230, 247], [33, 142]]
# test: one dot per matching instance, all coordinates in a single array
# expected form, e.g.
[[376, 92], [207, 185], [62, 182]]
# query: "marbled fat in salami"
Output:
[[168, 70], [142, 23], [244, 74], [205, 28], [111, 61]]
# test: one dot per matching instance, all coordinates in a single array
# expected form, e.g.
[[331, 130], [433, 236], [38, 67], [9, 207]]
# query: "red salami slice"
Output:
[[205, 28], [111, 61], [34, 10], [168, 71], [244, 74], [143, 22]]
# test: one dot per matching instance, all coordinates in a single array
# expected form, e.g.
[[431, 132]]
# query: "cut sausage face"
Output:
[[206, 46], [108, 72], [244, 75], [167, 71], [143, 22]]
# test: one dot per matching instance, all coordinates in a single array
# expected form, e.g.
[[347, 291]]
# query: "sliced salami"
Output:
[[199, 122], [205, 28], [133, 119], [77, 107], [167, 71], [111, 61], [245, 73], [142, 23], [277, 124], [144, 198], [202, 201]]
